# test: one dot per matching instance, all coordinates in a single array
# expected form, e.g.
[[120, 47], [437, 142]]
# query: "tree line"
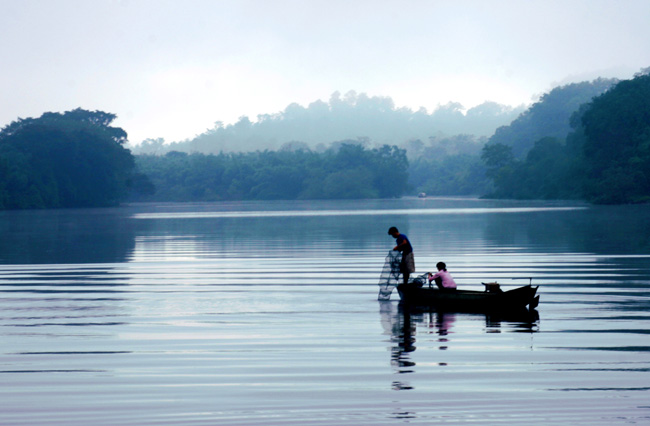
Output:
[[346, 170], [587, 141], [457, 165], [77, 159], [604, 158]]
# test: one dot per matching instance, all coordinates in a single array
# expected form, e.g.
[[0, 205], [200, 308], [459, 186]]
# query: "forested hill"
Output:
[[74, 159], [349, 117], [604, 159], [77, 159], [453, 165], [550, 116]]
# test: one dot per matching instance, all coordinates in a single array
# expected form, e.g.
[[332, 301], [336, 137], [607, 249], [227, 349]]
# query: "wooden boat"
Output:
[[469, 300]]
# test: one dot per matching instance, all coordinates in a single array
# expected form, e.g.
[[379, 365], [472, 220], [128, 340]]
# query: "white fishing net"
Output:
[[390, 275]]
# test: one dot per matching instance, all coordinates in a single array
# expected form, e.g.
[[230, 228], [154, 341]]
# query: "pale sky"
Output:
[[171, 68]]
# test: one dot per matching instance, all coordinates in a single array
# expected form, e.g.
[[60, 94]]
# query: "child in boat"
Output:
[[443, 279]]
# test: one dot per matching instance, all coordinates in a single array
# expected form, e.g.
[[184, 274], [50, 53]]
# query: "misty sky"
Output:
[[171, 68]]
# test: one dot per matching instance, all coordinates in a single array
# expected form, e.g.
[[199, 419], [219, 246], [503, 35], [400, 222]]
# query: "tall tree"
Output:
[[74, 159]]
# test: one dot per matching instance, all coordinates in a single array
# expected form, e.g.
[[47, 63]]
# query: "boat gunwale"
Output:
[[516, 298]]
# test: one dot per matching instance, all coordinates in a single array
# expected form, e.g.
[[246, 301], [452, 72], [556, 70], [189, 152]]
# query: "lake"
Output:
[[266, 313]]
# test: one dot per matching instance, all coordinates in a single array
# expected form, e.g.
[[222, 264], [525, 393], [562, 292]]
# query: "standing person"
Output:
[[443, 279], [407, 265]]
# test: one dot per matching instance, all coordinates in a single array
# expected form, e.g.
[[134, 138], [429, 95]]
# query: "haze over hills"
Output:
[[352, 116], [584, 140]]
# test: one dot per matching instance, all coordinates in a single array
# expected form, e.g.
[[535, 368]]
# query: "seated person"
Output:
[[443, 279]]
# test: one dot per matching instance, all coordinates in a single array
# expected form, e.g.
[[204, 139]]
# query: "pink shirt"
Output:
[[447, 280]]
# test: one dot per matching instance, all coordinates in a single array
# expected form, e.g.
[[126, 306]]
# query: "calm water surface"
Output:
[[267, 314]]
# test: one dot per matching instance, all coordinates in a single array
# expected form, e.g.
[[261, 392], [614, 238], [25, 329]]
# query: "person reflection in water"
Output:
[[443, 278], [407, 265]]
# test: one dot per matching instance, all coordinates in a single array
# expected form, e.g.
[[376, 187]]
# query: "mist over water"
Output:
[[266, 313]]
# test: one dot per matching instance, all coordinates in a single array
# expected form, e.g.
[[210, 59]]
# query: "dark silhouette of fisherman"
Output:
[[407, 265]]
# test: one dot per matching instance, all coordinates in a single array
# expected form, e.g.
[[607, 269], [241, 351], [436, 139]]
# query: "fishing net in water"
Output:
[[390, 275]]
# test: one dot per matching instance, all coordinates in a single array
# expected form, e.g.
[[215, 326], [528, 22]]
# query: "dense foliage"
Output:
[[616, 147], [74, 159], [453, 165], [350, 116], [569, 145], [549, 117], [448, 166], [605, 159], [547, 172], [346, 170]]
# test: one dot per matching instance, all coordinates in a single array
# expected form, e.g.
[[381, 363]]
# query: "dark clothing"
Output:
[[407, 265], [407, 248]]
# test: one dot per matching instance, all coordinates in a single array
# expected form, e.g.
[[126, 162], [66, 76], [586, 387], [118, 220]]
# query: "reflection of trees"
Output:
[[276, 234], [67, 236], [597, 229]]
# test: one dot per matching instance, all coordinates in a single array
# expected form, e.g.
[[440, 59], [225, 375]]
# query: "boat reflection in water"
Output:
[[403, 322]]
